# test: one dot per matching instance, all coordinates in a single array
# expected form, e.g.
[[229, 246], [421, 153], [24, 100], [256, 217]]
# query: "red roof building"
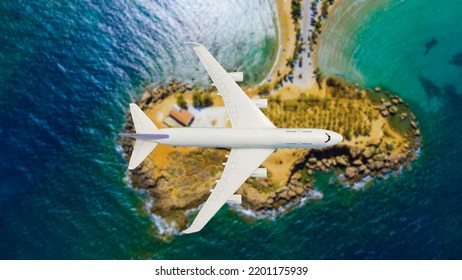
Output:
[[182, 116]]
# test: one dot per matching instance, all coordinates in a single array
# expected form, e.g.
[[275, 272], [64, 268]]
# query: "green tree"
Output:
[[296, 10], [181, 102], [207, 100], [264, 89], [319, 76], [325, 8], [197, 99], [318, 25]]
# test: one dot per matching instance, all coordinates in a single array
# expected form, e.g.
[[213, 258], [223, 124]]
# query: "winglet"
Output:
[[192, 229], [194, 44]]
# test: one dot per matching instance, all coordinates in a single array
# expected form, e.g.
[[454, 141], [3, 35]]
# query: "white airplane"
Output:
[[252, 138]]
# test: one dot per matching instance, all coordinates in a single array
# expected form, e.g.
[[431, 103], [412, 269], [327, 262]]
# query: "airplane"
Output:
[[251, 138]]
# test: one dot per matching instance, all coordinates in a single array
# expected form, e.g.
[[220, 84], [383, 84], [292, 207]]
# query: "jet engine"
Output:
[[237, 76], [261, 103], [260, 173], [235, 199]]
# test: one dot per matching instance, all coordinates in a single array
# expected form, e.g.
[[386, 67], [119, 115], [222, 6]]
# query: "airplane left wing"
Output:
[[242, 112], [240, 165]]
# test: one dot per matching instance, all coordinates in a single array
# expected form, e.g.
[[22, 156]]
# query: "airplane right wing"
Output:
[[240, 165], [242, 112]]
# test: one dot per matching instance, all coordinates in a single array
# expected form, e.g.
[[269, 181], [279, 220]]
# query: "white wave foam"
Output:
[[274, 213]]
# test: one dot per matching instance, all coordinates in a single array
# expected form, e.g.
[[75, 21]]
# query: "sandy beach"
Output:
[[286, 40]]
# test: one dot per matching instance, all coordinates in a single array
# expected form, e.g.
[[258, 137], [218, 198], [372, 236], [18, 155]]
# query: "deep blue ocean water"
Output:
[[68, 70]]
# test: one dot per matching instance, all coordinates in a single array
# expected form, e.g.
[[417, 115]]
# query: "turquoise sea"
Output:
[[68, 70]]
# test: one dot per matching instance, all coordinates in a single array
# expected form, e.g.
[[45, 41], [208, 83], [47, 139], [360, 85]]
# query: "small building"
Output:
[[180, 115]]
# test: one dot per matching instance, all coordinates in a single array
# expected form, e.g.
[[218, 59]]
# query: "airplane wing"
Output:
[[240, 165], [241, 110]]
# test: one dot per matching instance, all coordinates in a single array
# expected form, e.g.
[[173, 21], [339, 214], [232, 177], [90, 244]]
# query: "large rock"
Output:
[[284, 195], [312, 160], [379, 164], [350, 172], [356, 151], [378, 157], [377, 89], [341, 161], [393, 110], [357, 162], [146, 98], [291, 194], [403, 116], [299, 190], [297, 176], [368, 153]]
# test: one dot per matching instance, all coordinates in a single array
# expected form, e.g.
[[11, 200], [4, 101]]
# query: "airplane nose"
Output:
[[337, 138]]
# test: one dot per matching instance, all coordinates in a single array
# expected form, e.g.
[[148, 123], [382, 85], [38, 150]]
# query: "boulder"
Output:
[[362, 168], [312, 160], [357, 162], [299, 190], [377, 89], [350, 172], [367, 153], [284, 195], [341, 161], [386, 170], [387, 104], [395, 100], [379, 164], [292, 194], [296, 176], [378, 157], [384, 113], [146, 98], [413, 124], [393, 110], [417, 132], [356, 152]]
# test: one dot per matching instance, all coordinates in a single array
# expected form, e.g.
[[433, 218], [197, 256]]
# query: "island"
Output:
[[381, 134]]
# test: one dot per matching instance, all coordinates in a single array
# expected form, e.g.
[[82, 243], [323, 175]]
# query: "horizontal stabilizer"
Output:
[[141, 150]]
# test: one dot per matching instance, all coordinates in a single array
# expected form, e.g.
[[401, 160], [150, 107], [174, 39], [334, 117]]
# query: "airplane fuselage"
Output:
[[245, 137]]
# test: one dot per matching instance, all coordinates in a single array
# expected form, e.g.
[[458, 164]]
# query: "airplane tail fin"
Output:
[[143, 125]]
